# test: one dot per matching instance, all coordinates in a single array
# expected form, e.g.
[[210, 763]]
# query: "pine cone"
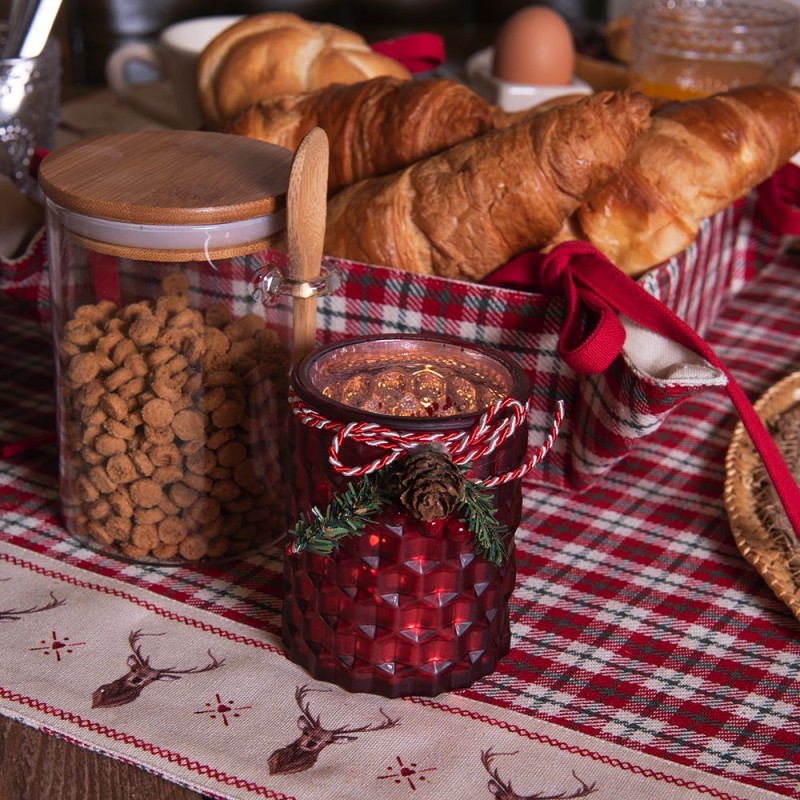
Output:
[[430, 484]]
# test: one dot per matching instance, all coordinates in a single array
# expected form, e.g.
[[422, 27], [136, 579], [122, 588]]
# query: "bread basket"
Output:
[[758, 523]]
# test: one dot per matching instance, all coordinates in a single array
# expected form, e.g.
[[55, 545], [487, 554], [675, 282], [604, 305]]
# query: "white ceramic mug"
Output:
[[174, 59]]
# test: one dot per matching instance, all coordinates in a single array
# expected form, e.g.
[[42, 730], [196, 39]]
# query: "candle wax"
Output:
[[429, 381]]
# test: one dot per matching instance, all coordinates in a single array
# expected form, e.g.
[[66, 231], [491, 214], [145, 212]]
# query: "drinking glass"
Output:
[[30, 92]]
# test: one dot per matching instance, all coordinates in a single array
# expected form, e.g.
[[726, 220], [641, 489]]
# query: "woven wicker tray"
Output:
[[760, 527]]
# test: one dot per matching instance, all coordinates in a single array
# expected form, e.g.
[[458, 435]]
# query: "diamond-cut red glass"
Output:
[[407, 607]]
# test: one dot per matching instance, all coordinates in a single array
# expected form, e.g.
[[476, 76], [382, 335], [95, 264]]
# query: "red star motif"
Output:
[[57, 646], [222, 710], [405, 772]]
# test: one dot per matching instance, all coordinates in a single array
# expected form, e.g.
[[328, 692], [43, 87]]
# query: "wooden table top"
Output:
[[39, 767]]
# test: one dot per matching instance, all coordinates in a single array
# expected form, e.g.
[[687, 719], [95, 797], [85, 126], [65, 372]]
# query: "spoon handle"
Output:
[[41, 24], [306, 205], [29, 25]]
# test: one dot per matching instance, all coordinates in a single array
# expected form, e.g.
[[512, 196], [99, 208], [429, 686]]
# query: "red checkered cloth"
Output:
[[635, 619], [25, 279], [606, 413]]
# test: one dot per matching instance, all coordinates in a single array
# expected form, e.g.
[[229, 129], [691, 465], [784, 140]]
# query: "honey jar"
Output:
[[685, 49], [172, 363]]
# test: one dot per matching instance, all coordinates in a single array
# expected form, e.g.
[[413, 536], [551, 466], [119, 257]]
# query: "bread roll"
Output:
[[618, 35], [272, 54], [606, 64]]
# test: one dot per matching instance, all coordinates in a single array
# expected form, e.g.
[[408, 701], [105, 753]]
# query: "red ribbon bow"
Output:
[[588, 280]]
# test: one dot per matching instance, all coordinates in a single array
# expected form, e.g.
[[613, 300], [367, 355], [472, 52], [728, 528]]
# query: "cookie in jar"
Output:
[[172, 369]]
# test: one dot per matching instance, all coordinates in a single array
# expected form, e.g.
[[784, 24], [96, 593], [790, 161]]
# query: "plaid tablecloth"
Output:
[[648, 658]]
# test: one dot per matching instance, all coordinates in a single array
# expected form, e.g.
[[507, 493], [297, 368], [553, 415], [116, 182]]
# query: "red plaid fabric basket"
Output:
[[606, 413]]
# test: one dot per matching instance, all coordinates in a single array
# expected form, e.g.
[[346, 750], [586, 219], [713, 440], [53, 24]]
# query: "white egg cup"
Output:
[[513, 96]]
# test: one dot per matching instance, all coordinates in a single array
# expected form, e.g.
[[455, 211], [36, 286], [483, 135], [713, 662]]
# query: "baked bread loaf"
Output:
[[270, 54], [697, 158], [603, 57], [472, 207], [618, 36], [377, 126]]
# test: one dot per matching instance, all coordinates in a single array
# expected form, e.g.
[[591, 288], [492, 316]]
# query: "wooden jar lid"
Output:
[[166, 178]]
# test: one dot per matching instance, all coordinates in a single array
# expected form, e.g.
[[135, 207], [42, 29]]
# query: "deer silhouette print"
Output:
[[127, 688], [14, 614], [502, 789], [303, 752]]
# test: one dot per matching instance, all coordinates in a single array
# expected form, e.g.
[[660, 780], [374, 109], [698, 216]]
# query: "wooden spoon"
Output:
[[306, 206]]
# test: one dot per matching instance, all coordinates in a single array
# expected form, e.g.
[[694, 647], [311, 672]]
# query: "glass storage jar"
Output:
[[686, 49], [406, 479], [172, 368]]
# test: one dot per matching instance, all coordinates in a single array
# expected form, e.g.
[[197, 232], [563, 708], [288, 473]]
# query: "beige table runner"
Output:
[[222, 710]]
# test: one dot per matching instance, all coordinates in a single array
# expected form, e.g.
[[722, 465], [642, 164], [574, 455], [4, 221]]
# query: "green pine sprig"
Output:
[[349, 513], [320, 532], [478, 512]]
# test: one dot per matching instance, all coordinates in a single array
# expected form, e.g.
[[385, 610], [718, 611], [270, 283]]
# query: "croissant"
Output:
[[697, 158], [376, 126], [470, 208]]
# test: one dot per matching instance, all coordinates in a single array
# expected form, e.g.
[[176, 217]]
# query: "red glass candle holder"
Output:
[[409, 606]]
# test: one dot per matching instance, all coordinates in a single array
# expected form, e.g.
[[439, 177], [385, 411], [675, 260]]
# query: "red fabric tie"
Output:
[[586, 278], [417, 52], [777, 198]]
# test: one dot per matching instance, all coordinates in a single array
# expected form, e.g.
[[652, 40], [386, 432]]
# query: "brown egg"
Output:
[[534, 46]]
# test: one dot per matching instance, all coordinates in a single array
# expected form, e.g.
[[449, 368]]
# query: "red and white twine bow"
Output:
[[495, 425]]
